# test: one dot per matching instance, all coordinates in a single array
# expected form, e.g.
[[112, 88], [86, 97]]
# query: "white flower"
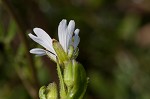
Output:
[[67, 37]]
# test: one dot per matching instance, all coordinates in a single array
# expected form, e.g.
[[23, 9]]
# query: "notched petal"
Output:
[[36, 39], [42, 35], [71, 27]]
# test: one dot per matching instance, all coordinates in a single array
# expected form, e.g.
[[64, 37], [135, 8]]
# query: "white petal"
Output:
[[62, 32], [71, 27], [51, 56], [70, 31], [38, 51], [44, 37], [76, 32], [40, 41], [76, 38], [42, 34]]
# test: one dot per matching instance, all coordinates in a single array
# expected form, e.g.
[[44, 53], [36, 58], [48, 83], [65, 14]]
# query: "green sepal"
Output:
[[73, 53], [70, 52], [61, 54]]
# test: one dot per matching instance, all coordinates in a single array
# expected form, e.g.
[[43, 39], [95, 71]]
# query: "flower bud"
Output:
[[68, 74], [49, 92], [42, 92], [79, 81], [52, 91]]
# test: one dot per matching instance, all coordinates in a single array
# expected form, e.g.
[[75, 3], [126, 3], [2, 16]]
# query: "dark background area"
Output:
[[114, 46]]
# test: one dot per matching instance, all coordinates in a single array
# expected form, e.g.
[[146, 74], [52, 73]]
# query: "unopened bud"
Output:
[[52, 91], [68, 74], [42, 91], [80, 81]]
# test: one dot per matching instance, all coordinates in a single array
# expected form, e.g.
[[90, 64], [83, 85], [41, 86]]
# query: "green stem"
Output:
[[62, 85]]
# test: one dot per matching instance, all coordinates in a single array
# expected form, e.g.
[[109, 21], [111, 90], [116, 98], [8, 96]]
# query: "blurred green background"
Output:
[[114, 46]]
